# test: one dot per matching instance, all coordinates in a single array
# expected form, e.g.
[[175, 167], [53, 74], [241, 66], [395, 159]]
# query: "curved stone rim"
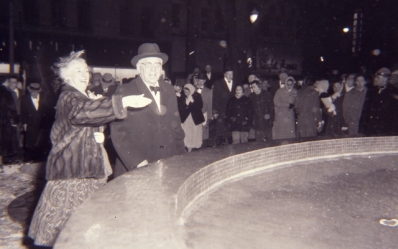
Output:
[[149, 203]]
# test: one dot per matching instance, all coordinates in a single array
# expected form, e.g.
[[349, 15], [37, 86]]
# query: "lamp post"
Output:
[[253, 60]]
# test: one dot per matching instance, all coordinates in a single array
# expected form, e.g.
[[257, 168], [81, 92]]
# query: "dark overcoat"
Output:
[[239, 114], [8, 118], [39, 121], [308, 112], [75, 153], [263, 104], [194, 108], [221, 95], [147, 133]]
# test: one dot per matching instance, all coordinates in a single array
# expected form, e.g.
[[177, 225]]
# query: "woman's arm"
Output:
[[85, 111]]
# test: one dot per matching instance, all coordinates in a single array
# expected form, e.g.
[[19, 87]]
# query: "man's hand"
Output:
[[135, 101]]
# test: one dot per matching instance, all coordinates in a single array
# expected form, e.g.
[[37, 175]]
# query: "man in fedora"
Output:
[[107, 86], [152, 132], [379, 109], [207, 109], [37, 116], [223, 90]]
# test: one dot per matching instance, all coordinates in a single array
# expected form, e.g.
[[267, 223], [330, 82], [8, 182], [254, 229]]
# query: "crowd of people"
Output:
[[91, 129], [353, 104]]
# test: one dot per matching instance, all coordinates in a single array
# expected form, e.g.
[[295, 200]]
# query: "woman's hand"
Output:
[[190, 98], [135, 101]]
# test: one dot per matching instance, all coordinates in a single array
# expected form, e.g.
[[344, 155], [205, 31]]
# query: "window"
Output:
[[58, 18], [146, 22], [219, 21], [126, 18], [83, 14], [175, 15], [30, 12]]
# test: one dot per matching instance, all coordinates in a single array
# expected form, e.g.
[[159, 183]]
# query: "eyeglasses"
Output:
[[149, 65], [186, 89]]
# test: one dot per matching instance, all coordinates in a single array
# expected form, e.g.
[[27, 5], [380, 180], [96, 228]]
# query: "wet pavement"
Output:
[[19, 192], [333, 203]]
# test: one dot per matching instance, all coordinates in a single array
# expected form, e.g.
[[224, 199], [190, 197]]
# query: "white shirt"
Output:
[[157, 96], [281, 85], [17, 92], [347, 88], [229, 84], [208, 75], [36, 101]]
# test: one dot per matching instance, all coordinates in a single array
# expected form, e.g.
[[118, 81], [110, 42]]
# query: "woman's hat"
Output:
[[149, 50], [34, 87], [190, 87], [107, 79]]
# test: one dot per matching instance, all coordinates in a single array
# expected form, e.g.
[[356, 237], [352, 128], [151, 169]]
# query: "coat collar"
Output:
[[142, 88]]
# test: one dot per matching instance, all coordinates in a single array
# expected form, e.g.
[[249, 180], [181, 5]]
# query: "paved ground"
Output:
[[321, 204], [19, 193]]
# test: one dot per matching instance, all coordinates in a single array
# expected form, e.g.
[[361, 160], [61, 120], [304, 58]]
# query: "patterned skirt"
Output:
[[58, 201]]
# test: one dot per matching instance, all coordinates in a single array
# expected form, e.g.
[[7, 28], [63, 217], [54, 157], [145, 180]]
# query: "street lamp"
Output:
[[253, 16]]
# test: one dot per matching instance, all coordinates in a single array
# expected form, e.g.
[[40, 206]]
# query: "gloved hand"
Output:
[[135, 101]]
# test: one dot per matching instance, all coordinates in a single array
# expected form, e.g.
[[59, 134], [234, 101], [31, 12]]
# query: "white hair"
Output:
[[65, 71]]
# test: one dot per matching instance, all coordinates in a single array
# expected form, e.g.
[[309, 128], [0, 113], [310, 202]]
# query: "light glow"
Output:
[[253, 16]]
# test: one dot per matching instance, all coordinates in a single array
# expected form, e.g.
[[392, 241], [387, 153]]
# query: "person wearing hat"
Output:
[[107, 86], [190, 107], [284, 126], [152, 132], [223, 90], [207, 110], [380, 107], [9, 121], [95, 80], [37, 116]]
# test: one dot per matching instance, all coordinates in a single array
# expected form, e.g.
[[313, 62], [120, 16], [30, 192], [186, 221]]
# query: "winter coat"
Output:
[[75, 153], [221, 95], [307, 107], [262, 105], [194, 108], [8, 118], [239, 114], [146, 133], [285, 122], [39, 121]]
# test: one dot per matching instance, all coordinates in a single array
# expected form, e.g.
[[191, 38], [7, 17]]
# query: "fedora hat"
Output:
[[149, 50], [202, 76], [107, 79], [34, 87]]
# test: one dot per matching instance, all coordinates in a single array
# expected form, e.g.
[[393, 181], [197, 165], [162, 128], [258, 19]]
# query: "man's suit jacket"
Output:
[[210, 82], [36, 120], [146, 133], [221, 95], [207, 98]]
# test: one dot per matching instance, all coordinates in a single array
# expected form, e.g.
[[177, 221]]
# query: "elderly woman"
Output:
[[77, 164], [190, 107], [239, 116], [285, 122]]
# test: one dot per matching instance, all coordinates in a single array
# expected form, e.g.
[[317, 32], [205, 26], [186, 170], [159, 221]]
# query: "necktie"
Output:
[[154, 89]]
